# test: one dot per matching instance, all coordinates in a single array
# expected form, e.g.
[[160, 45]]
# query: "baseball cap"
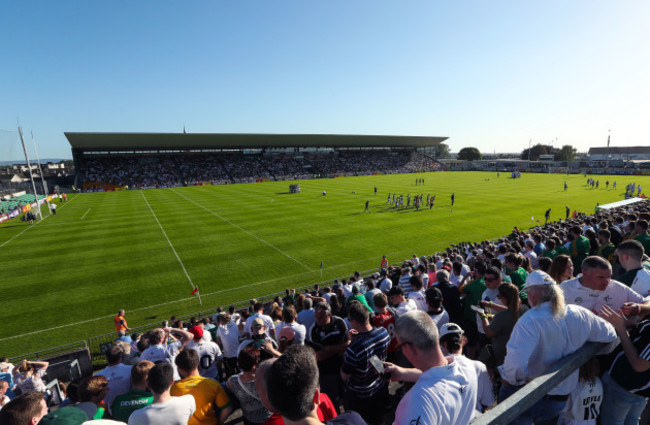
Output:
[[450, 328], [375, 275], [395, 290], [537, 278], [197, 331], [257, 323]]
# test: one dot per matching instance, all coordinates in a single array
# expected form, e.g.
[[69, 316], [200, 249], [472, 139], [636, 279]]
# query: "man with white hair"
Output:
[[445, 389], [548, 332], [594, 287]]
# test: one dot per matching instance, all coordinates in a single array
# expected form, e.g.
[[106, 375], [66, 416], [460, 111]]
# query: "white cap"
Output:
[[450, 328], [538, 277]]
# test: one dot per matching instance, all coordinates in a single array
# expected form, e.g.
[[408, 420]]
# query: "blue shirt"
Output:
[[365, 381]]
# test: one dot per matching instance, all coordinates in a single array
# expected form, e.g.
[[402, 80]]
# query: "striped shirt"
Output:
[[622, 372], [364, 380]]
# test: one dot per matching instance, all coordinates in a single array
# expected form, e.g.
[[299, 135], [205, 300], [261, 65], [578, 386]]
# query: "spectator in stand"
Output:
[[450, 296], [165, 409], [242, 386], [472, 290], [306, 316], [117, 374], [434, 306], [4, 398], [399, 301], [534, 345], [160, 350], [452, 341], [579, 248], [371, 291], [515, 271], [292, 388], [561, 268], [92, 392], [28, 376], [594, 287], [630, 256], [405, 280], [445, 389], [626, 382], [544, 264], [228, 339], [386, 283], [212, 402], [643, 236], [366, 389], [5, 375], [260, 340], [289, 321], [138, 397], [330, 339], [529, 252], [606, 248], [258, 314], [508, 310], [417, 294], [386, 317], [208, 351], [26, 409]]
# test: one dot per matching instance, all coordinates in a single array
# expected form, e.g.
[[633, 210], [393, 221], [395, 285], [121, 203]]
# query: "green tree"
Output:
[[469, 154], [442, 151], [538, 150], [567, 153]]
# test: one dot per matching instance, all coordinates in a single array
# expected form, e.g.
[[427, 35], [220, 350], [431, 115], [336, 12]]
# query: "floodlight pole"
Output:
[[29, 167], [607, 152]]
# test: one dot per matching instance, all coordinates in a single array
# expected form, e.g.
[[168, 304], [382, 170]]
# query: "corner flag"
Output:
[[195, 290]]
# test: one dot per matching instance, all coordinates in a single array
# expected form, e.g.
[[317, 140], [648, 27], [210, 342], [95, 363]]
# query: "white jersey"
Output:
[[615, 295], [419, 299], [163, 352], [405, 307], [641, 283], [443, 395], [209, 354], [385, 285], [175, 411], [299, 329], [485, 394], [229, 336], [440, 318], [119, 381], [583, 405]]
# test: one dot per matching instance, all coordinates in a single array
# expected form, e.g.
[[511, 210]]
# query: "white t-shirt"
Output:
[[229, 335], [440, 318], [615, 295], [641, 283], [443, 395], [584, 402], [419, 299], [175, 411], [406, 306], [119, 381], [209, 353], [485, 393], [300, 330], [268, 323], [385, 285], [163, 352]]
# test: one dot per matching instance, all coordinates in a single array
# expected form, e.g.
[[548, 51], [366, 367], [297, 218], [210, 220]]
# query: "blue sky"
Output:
[[493, 75]]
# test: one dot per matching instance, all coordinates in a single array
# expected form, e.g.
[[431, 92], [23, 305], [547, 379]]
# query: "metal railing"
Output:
[[509, 409], [51, 352]]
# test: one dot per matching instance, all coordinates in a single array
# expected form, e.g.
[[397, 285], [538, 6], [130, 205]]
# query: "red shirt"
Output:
[[325, 411], [387, 320]]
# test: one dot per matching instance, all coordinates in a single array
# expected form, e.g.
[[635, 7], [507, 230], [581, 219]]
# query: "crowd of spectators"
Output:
[[460, 331], [166, 170]]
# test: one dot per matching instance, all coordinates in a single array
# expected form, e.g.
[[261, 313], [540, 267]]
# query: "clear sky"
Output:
[[489, 74]]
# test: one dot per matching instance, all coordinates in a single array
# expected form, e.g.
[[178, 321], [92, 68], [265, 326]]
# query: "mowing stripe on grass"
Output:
[[31, 226], [245, 231], [169, 242]]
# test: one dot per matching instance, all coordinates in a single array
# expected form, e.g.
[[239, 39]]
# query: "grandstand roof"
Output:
[[620, 150], [111, 141]]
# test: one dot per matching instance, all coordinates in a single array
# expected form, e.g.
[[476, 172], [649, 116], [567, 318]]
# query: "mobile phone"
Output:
[[478, 309], [378, 365]]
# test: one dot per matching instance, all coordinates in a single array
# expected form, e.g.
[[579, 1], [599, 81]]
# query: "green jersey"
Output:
[[550, 253], [518, 277], [473, 292], [580, 247], [125, 404], [645, 241], [607, 251]]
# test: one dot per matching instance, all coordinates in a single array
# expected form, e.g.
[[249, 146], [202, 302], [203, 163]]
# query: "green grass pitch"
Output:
[[63, 279]]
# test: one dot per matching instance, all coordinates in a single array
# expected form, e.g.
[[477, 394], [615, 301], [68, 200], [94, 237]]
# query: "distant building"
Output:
[[630, 153]]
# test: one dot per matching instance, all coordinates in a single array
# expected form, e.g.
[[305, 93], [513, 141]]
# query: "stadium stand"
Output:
[[478, 265]]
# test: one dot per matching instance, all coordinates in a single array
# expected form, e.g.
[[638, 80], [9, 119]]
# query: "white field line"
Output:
[[168, 241], [245, 231], [32, 225], [83, 216]]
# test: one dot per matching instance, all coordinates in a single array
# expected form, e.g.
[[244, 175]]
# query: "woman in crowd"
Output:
[[562, 268], [500, 328], [28, 376], [243, 387]]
